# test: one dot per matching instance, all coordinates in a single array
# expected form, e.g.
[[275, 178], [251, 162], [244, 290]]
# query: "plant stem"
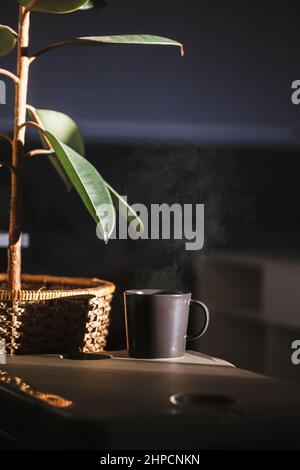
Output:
[[15, 225], [10, 75]]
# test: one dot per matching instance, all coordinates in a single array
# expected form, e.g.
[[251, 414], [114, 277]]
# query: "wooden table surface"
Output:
[[131, 404]]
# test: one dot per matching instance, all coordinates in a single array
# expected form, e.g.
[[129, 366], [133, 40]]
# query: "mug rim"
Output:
[[156, 292]]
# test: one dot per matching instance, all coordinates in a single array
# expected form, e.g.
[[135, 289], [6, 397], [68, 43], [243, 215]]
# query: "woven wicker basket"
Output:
[[55, 315]]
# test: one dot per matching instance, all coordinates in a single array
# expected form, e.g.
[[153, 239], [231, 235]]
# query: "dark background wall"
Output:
[[217, 127], [233, 84]]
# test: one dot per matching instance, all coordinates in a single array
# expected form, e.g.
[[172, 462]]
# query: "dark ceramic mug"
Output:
[[157, 322]]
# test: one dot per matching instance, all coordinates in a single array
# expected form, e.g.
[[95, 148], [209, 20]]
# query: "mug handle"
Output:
[[203, 330]]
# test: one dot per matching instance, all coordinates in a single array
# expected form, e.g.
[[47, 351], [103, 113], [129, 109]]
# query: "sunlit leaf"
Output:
[[61, 125], [126, 39], [65, 129], [87, 6], [93, 4], [55, 6], [138, 39], [8, 40], [125, 209], [89, 185]]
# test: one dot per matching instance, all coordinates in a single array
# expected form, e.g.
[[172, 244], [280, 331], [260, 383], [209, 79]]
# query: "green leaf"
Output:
[[124, 208], [8, 40], [138, 39], [61, 125], [55, 6], [89, 185], [65, 130], [87, 6], [129, 39], [93, 4]]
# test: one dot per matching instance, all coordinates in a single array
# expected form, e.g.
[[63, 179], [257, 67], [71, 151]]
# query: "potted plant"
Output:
[[45, 314]]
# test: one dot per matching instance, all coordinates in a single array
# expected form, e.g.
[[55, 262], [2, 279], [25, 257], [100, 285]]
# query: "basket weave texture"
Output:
[[55, 315]]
